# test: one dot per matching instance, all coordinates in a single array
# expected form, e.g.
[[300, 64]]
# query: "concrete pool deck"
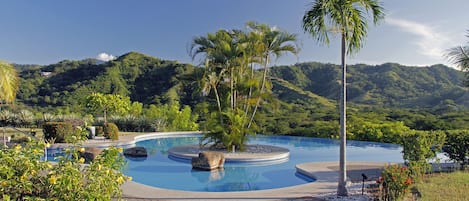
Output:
[[325, 173]]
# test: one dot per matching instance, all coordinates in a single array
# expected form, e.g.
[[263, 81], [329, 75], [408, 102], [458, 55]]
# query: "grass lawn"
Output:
[[445, 186]]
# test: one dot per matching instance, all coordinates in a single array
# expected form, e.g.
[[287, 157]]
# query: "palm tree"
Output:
[[460, 56], [8, 82], [269, 42], [346, 18]]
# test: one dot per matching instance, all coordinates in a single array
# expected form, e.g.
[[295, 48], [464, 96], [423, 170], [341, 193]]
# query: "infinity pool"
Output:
[[161, 171]]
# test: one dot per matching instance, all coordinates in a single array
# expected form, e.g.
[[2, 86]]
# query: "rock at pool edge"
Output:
[[208, 160]]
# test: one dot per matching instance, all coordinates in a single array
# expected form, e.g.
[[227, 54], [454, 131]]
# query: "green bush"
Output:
[[132, 123], [419, 147], [457, 146], [111, 131], [99, 130], [24, 175], [394, 182], [59, 131]]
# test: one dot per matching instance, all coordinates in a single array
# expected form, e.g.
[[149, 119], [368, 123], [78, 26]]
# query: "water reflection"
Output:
[[212, 175]]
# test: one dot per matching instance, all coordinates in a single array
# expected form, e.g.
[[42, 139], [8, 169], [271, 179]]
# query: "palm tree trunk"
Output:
[[341, 189], [264, 77], [218, 103], [232, 88], [246, 102]]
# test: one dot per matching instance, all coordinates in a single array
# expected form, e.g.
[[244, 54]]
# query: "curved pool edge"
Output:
[[132, 139], [325, 174], [326, 178], [276, 154]]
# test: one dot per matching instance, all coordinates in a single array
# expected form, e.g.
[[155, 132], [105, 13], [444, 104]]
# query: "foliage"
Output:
[[99, 130], [234, 88], [131, 123], [108, 104], [24, 175], [8, 82], [457, 146], [58, 131], [172, 117], [111, 131], [394, 182], [419, 147], [460, 56], [375, 130]]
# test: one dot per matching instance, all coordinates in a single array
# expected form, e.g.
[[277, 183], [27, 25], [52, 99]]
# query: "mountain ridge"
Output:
[[151, 80]]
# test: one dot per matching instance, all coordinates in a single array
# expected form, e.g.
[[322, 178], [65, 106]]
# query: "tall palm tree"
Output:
[[8, 82], [460, 56], [346, 18], [271, 42]]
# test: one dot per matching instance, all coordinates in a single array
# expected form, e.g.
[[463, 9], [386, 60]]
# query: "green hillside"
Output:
[[304, 95], [145, 79], [389, 84]]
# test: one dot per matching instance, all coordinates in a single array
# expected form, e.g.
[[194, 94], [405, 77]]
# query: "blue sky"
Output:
[[415, 32]]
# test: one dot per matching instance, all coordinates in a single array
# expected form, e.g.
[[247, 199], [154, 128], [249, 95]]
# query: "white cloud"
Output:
[[105, 57], [431, 42]]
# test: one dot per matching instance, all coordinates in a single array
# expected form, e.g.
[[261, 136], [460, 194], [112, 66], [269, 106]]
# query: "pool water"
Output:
[[161, 171]]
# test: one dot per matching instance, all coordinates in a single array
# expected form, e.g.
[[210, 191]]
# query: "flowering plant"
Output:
[[394, 182], [25, 175]]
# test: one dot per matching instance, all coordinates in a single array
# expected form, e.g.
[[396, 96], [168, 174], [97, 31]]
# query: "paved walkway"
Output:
[[325, 173]]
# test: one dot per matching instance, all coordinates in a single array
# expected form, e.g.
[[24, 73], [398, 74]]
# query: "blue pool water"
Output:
[[161, 171]]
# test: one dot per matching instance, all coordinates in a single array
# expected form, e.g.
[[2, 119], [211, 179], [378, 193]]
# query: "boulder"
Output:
[[90, 153], [136, 152], [208, 160]]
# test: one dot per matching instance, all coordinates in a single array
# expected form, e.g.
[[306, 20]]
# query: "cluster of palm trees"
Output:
[[230, 59], [236, 80]]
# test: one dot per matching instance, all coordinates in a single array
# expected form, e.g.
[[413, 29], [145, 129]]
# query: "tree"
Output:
[[346, 18], [269, 42], [231, 80], [108, 103], [8, 82], [460, 57]]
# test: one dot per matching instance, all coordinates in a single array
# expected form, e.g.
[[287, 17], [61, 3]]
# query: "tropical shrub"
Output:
[[394, 182], [457, 146], [59, 131], [24, 175], [131, 123], [111, 131], [25, 118], [99, 130], [376, 130], [6, 117], [419, 147], [171, 117]]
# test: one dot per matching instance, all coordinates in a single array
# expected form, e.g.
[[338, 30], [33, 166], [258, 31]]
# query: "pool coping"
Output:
[[325, 173], [279, 154]]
